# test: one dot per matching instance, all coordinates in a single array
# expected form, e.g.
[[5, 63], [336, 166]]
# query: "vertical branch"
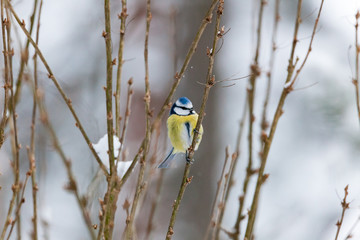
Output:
[[108, 90], [357, 52], [4, 118], [210, 79], [264, 123], [217, 194], [123, 15], [129, 230], [223, 196], [18, 207], [255, 73], [25, 55], [345, 205], [110, 198], [31, 151], [16, 145], [8, 52], [279, 110]]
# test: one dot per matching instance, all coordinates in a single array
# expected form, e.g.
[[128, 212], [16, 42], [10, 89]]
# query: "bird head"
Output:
[[182, 107]]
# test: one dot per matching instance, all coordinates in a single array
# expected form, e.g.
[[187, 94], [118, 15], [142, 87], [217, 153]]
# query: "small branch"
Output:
[[264, 123], [16, 146], [210, 79], [129, 230], [18, 208], [4, 22], [31, 151], [357, 52], [58, 87], [25, 55], [126, 119], [222, 200], [217, 194], [344, 205], [123, 15]]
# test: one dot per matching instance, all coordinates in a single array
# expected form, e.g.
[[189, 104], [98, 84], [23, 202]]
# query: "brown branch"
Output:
[[255, 73], [129, 230], [210, 82], [345, 205], [123, 15], [357, 52], [223, 197], [7, 82], [25, 55], [8, 53], [18, 207], [217, 194], [264, 122], [31, 151], [277, 115], [58, 87]]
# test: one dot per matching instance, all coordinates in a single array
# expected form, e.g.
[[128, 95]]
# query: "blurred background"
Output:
[[314, 155]]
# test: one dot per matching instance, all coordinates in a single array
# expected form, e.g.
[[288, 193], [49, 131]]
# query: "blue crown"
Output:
[[184, 100]]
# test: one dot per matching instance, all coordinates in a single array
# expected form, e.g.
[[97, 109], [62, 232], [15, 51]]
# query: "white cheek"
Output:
[[181, 112]]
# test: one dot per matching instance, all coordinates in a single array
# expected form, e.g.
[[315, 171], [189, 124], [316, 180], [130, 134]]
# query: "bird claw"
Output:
[[196, 131], [189, 161]]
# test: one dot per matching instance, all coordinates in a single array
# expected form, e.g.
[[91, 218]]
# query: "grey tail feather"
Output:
[[166, 162]]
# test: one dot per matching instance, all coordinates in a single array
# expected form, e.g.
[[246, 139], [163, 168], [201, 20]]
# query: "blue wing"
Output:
[[166, 162]]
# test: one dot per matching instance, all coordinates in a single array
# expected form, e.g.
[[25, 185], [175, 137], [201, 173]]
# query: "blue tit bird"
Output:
[[181, 126]]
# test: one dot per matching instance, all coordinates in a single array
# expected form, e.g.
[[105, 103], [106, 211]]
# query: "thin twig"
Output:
[[9, 82], [345, 205], [278, 113], [255, 73], [217, 194], [31, 152], [18, 207], [223, 196], [25, 55], [357, 53], [210, 79], [129, 230], [58, 87], [123, 15], [264, 122]]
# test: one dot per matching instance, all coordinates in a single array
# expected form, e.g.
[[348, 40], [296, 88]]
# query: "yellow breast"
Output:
[[179, 134]]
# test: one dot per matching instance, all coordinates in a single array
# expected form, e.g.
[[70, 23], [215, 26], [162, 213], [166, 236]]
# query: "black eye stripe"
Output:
[[184, 108]]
